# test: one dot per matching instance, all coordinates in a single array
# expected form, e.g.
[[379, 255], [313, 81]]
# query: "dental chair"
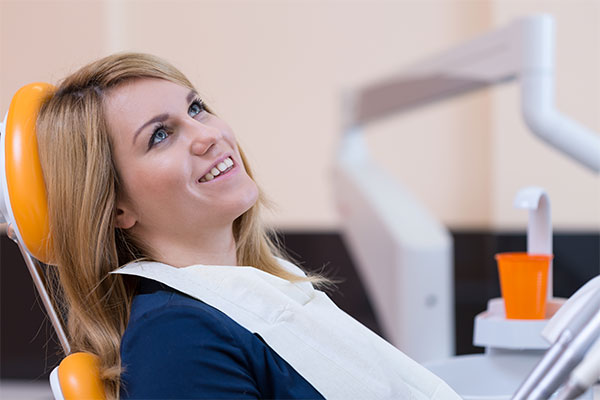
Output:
[[23, 206]]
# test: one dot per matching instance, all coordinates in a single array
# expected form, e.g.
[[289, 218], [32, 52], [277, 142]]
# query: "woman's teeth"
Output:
[[221, 167]]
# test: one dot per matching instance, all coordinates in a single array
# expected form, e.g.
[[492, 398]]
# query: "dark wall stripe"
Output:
[[28, 348]]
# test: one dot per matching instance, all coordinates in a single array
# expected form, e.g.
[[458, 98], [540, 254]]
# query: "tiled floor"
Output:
[[25, 390]]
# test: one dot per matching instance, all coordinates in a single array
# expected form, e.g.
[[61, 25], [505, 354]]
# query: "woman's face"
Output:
[[181, 173]]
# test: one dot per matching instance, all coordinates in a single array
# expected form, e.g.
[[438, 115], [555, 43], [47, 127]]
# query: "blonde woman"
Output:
[[166, 271]]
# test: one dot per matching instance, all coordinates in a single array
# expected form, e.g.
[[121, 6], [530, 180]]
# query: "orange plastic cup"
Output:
[[524, 281]]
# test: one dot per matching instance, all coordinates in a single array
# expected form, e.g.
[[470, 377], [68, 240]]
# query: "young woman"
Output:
[[141, 173]]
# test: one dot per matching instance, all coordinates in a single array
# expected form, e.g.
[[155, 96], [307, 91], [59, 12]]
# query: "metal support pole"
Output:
[[36, 272]]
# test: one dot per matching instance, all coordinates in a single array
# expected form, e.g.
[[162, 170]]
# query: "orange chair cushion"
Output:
[[79, 377], [24, 178]]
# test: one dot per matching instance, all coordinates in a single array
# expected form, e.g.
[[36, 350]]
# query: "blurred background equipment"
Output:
[[404, 255]]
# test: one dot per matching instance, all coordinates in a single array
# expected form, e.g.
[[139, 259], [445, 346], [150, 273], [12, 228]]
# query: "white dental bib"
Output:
[[340, 357]]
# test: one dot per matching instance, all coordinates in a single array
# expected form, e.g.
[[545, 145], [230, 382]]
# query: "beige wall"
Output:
[[274, 69], [45, 40]]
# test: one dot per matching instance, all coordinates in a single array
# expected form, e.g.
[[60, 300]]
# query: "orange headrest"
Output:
[[23, 172]]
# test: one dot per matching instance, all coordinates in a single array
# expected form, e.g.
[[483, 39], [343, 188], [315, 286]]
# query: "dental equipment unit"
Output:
[[398, 246]]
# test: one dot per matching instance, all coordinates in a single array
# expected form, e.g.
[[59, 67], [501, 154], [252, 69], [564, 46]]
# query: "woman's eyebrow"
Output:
[[158, 118], [191, 95]]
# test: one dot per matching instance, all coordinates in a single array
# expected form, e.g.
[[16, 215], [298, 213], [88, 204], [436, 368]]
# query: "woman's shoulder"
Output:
[[174, 346], [156, 303], [178, 347]]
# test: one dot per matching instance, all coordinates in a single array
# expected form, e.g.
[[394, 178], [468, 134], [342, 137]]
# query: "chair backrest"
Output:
[[24, 206]]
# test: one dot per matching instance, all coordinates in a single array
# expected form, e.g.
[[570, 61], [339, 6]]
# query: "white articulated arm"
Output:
[[537, 97], [523, 50]]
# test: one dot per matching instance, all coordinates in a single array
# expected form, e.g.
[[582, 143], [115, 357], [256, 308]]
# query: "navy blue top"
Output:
[[177, 347]]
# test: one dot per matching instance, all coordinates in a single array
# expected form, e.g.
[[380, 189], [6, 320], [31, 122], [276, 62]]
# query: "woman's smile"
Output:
[[224, 167]]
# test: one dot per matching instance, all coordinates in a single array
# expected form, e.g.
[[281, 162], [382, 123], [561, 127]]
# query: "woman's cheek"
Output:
[[152, 181]]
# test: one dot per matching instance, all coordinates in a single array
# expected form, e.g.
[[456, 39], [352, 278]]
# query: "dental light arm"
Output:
[[523, 50]]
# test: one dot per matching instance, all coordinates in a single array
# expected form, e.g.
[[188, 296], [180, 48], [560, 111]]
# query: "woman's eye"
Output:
[[158, 136], [196, 108]]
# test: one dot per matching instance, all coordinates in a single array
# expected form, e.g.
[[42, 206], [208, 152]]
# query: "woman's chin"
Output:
[[248, 198]]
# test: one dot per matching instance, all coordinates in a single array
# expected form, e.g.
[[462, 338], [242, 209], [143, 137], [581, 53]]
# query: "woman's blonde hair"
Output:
[[82, 185]]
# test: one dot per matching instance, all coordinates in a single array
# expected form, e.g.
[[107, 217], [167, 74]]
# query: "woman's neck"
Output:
[[216, 247]]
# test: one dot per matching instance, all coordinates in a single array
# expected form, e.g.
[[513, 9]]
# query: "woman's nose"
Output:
[[203, 138]]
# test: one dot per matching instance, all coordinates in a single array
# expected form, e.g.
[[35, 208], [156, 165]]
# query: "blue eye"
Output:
[[160, 134], [196, 108]]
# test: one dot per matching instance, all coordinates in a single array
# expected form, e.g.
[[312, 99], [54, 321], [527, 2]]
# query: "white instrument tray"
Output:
[[494, 330]]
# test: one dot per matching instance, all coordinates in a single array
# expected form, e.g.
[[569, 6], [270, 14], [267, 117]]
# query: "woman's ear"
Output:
[[125, 218]]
